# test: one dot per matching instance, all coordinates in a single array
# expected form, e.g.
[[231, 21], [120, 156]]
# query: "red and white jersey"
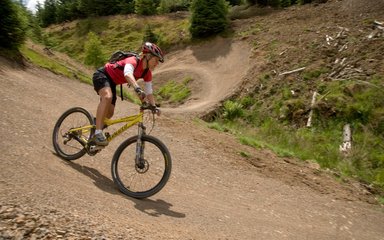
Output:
[[117, 73]]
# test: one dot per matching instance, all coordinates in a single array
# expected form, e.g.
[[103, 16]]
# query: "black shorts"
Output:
[[100, 80]]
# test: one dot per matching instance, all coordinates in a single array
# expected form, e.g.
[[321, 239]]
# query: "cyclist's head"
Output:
[[153, 49]]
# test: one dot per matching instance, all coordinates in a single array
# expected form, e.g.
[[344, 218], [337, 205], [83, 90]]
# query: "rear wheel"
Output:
[[145, 179], [68, 144]]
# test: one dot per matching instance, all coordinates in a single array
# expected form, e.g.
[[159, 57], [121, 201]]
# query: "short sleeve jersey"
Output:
[[117, 74]]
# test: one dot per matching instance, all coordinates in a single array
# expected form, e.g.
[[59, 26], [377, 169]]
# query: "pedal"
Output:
[[94, 148]]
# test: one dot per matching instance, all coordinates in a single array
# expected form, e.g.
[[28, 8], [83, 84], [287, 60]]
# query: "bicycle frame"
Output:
[[130, 121]]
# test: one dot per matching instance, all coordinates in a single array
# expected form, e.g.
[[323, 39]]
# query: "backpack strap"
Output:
[[121, 92]]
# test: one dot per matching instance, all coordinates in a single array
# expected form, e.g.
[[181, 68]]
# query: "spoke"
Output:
[[131, 177]]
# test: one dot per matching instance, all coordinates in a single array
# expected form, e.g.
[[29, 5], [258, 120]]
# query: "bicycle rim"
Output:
[[66, 144], [141, 181]]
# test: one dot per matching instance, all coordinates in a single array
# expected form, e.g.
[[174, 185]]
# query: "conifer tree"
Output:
[[12, 25], [275, 3], [261, 2], [48, 14], [285, 3], [149, 35], [146, 7], [303, 1], [209, 17], [234, 2], [93, 54]]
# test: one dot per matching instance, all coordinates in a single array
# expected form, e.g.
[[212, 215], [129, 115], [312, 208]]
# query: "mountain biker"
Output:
[[124, 71]]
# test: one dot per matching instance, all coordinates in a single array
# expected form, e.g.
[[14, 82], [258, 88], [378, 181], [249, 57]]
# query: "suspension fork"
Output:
[[140, 145]]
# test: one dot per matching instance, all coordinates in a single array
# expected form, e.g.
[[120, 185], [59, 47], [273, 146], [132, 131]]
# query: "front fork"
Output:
[[139, 159]]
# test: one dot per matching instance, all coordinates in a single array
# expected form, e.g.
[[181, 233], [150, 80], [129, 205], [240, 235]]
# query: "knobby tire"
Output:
[[136, 184], [81, 117]]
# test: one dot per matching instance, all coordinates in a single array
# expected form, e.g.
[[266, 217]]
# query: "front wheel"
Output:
[[67, 143], [147, 178]]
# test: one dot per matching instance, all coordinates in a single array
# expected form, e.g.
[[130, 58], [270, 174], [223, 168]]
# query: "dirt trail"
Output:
[[216, 68], [213, 192]]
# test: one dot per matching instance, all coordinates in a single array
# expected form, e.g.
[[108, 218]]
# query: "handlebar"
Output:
[[150, 118], [147, 106]]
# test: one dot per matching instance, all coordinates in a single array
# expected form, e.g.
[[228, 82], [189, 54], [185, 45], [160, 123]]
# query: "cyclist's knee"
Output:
[[105, 92], [106, 96]]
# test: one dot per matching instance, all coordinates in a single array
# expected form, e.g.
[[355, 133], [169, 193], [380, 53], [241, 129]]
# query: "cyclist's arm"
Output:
[[149, 93], [128, 74]]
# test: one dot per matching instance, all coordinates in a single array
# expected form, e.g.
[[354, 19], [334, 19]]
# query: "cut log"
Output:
[[347, 139], [309, 122]]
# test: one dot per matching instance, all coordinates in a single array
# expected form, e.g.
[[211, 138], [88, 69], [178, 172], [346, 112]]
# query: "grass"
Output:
[[381, 200], [251, 141], [173, 92], [312, 75], [54, 66], [364, 162], [62, 69], [244, 154]]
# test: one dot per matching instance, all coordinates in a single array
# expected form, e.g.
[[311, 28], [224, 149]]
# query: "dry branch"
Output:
[[378, 30], [293, 71]]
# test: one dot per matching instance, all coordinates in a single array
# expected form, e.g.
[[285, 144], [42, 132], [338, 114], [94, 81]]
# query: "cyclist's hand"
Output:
[[156, 110], [140, 93]]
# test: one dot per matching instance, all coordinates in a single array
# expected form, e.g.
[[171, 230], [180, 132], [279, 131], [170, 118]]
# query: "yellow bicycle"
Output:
[[141, 165]]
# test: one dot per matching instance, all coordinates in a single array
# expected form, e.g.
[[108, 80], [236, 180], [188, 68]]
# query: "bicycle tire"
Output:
[[72, 118], [124, 169]]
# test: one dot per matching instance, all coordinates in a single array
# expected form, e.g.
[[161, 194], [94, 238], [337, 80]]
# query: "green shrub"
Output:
[[247, 101], [232, 110], [93, 53]]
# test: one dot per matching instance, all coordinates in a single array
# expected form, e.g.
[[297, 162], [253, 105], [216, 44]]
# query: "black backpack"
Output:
[[120, 55]]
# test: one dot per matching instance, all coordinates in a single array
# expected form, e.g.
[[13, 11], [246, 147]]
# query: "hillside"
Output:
[[318, 38], [333, 50], [215, 192]]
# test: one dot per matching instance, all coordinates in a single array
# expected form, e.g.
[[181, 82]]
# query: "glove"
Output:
[[155, 110], [140, 93]]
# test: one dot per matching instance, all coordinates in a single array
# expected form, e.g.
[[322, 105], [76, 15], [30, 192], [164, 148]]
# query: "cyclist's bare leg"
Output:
[[110, 111], [105, 108]]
